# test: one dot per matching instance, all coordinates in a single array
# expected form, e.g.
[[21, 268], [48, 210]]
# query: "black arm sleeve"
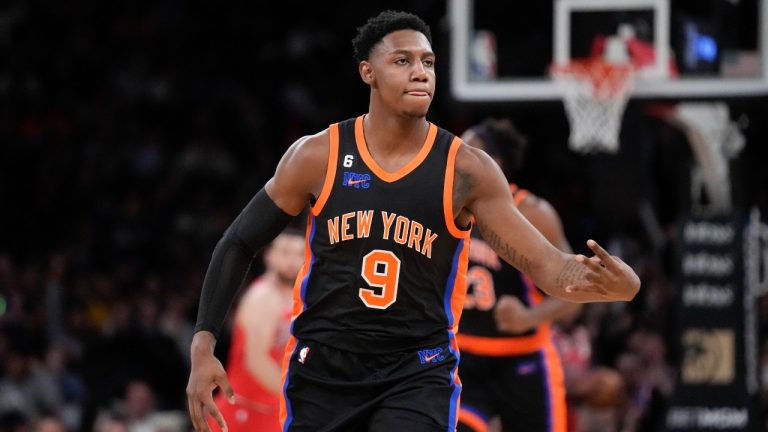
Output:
[[258, 224]]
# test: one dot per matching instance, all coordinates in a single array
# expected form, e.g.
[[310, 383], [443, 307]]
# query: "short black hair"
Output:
[[383, 24], [503, 140]]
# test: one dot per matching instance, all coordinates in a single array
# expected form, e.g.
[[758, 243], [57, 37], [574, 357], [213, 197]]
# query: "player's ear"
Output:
[[366, 72]]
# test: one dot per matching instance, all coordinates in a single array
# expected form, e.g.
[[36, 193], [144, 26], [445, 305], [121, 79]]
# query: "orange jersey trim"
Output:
[[455, 372], [473, 421], [556, 378], [298, 307], [500, 347], [298, 303], [450, 221], [518, 194], [459, 294], [289, 347], [534, 294], [389, 177], [330, 171]]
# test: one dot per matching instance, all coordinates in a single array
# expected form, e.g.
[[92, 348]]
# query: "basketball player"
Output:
[[377, 303], [260, 332], [509, 364]]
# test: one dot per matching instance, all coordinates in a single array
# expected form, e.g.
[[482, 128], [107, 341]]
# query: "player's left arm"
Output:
[[480, 189], [544, 217], [510, 314]]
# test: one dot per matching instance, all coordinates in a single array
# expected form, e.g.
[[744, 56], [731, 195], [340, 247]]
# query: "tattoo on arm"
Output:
[[463, 184], [510, 254], [571, 273]]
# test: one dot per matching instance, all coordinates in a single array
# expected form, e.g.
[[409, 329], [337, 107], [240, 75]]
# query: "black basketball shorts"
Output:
[[326, 389]]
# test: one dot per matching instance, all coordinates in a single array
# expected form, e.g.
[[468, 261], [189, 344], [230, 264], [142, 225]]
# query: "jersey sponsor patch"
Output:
[[431, 355], [356, 180]]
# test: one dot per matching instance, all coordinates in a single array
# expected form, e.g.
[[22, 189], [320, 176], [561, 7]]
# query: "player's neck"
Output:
[[283, 285], [386, 133]]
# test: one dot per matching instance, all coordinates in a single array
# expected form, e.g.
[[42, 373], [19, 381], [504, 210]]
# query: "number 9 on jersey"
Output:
[[380, 269]]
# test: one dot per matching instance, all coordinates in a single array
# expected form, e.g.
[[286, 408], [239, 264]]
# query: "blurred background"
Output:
[[132, 133]]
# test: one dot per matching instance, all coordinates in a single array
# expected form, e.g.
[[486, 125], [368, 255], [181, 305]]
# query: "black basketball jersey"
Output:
[[385, 266], [489, 277]]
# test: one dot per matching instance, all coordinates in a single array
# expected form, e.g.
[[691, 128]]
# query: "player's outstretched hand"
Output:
[[607, 276], [207, 373], [512, 316]]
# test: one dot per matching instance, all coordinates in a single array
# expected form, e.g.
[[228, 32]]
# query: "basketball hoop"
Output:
[[595, 93]]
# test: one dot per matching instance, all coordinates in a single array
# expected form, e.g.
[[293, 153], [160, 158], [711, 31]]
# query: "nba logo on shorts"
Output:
[[303, 355]]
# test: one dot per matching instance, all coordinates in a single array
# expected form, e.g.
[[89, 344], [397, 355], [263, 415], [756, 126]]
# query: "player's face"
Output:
[[286, 256], [401, 70]]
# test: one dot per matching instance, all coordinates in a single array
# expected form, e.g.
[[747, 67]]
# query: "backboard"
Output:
[[689, 48]]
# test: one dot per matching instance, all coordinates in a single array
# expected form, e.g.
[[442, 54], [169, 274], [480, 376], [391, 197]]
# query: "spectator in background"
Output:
[[575, 348], [262, 322], [133, 348], [26, 388], [142, 414], [48, 424], [175, 324], [110, 421], [67, 384], [650, 381], [596, 393]]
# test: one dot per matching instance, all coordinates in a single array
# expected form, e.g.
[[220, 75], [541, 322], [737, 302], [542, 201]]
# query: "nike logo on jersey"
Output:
[[356, 180], [432, 355]]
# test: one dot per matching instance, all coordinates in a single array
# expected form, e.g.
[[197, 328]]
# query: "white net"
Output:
[[595, 94]]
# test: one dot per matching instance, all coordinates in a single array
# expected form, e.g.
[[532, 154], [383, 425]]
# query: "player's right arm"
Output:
[[299, 177]]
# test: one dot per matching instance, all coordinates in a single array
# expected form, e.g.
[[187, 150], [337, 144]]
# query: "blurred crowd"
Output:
[[132, 133]]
